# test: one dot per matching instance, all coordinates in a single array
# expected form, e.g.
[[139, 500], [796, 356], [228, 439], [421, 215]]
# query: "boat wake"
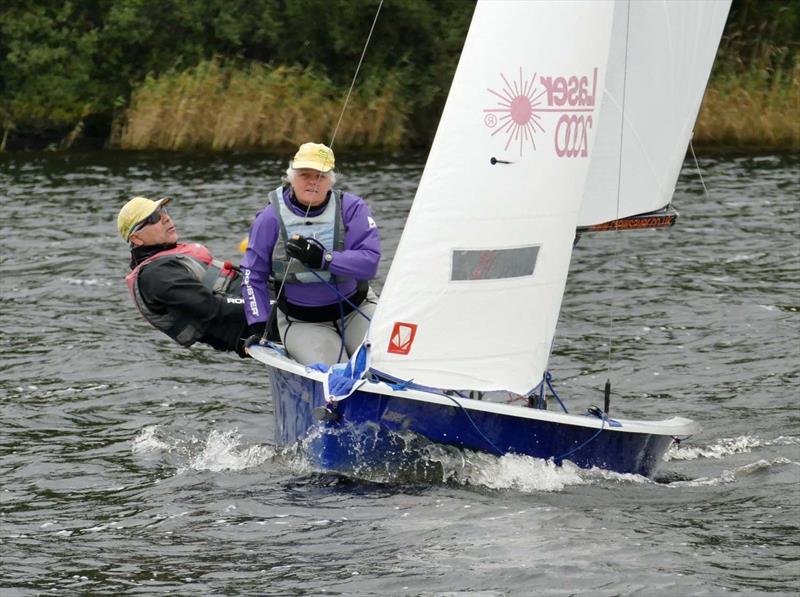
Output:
[[727, 447], [417, 461], [731, 476]]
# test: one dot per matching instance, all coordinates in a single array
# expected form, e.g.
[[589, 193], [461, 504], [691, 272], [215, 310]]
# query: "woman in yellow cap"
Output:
[[320, 247]]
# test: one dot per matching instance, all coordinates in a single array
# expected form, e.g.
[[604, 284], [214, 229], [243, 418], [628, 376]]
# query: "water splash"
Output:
[[406, 458], [148, 442], [223, 452], [519, 473], [219, 451]]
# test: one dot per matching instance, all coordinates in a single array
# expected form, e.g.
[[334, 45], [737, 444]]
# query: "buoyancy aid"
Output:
[[219, 277], [326, 227]]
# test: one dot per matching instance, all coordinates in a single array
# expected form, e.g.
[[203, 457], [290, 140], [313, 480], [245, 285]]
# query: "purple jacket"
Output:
[[358, 261]]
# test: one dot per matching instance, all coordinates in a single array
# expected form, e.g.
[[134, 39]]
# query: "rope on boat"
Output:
[[409, 384], [548, 380], [540, 401], [342, 348], [558, 459], [497, 451], [355, 76], [343, 297], [333, 137], [404, 384]]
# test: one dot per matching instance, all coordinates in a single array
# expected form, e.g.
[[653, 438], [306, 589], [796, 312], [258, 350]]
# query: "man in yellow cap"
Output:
[[179, 287], [318, 248]]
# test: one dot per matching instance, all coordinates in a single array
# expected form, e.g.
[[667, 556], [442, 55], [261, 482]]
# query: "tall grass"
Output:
[[753, 98], [221, 106], [745, 110]]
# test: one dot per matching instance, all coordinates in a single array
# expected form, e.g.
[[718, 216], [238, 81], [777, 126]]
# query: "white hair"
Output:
[[290, 175]]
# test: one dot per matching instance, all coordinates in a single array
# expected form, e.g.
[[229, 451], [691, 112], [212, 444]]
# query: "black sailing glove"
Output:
[[308, 251], [256, 336]]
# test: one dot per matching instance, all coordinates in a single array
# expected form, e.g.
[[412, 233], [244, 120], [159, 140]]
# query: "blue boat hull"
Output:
[[364, 428]]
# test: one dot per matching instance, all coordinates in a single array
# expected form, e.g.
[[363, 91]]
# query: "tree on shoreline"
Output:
[[80, 61]]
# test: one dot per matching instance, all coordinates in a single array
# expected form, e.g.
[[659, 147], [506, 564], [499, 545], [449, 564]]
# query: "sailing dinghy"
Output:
[[561, 117]]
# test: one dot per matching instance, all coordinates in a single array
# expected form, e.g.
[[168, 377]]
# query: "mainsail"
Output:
[[472, 297], [660, 60]]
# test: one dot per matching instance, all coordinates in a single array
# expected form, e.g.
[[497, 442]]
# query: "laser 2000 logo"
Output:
[[520, 111]]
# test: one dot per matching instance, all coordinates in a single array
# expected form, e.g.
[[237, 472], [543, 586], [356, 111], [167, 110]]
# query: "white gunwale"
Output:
[[674, 426]]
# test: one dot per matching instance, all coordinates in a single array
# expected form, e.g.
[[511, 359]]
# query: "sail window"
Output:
[[493, 264]]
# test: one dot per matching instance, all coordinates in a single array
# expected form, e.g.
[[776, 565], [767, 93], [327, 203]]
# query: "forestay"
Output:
[[473, 294], [669, 48]]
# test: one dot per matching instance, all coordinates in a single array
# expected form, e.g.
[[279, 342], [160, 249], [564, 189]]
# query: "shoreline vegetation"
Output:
[[744, 111], [259, 84], [215, 107], [753, 96]]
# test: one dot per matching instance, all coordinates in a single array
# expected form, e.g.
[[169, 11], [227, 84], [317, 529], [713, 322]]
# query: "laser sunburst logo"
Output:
[[520, 107], [515, 112]]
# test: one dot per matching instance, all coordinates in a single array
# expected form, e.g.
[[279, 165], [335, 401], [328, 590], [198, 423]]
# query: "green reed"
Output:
[[220, 106], [744, 110], [753, 98]]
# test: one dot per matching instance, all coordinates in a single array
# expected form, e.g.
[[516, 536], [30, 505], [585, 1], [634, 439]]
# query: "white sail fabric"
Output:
[[473, 294], [669, 47]]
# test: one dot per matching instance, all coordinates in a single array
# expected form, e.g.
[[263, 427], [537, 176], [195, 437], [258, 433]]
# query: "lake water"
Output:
[[130, 465]]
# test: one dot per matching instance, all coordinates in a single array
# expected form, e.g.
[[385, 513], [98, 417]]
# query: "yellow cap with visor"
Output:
[[134, 212], [315, 156]]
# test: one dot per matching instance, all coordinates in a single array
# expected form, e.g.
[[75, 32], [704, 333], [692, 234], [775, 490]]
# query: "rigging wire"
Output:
[[699, 172], [619, 190], [355, 76]]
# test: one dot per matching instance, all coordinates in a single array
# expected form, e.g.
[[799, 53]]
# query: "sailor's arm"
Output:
[[362, 246]]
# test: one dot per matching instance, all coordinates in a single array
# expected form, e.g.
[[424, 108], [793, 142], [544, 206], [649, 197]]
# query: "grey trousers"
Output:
[[309, 343]]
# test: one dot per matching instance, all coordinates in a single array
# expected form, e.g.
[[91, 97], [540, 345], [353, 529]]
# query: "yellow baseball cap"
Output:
[[315, 156], [134, 211]]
